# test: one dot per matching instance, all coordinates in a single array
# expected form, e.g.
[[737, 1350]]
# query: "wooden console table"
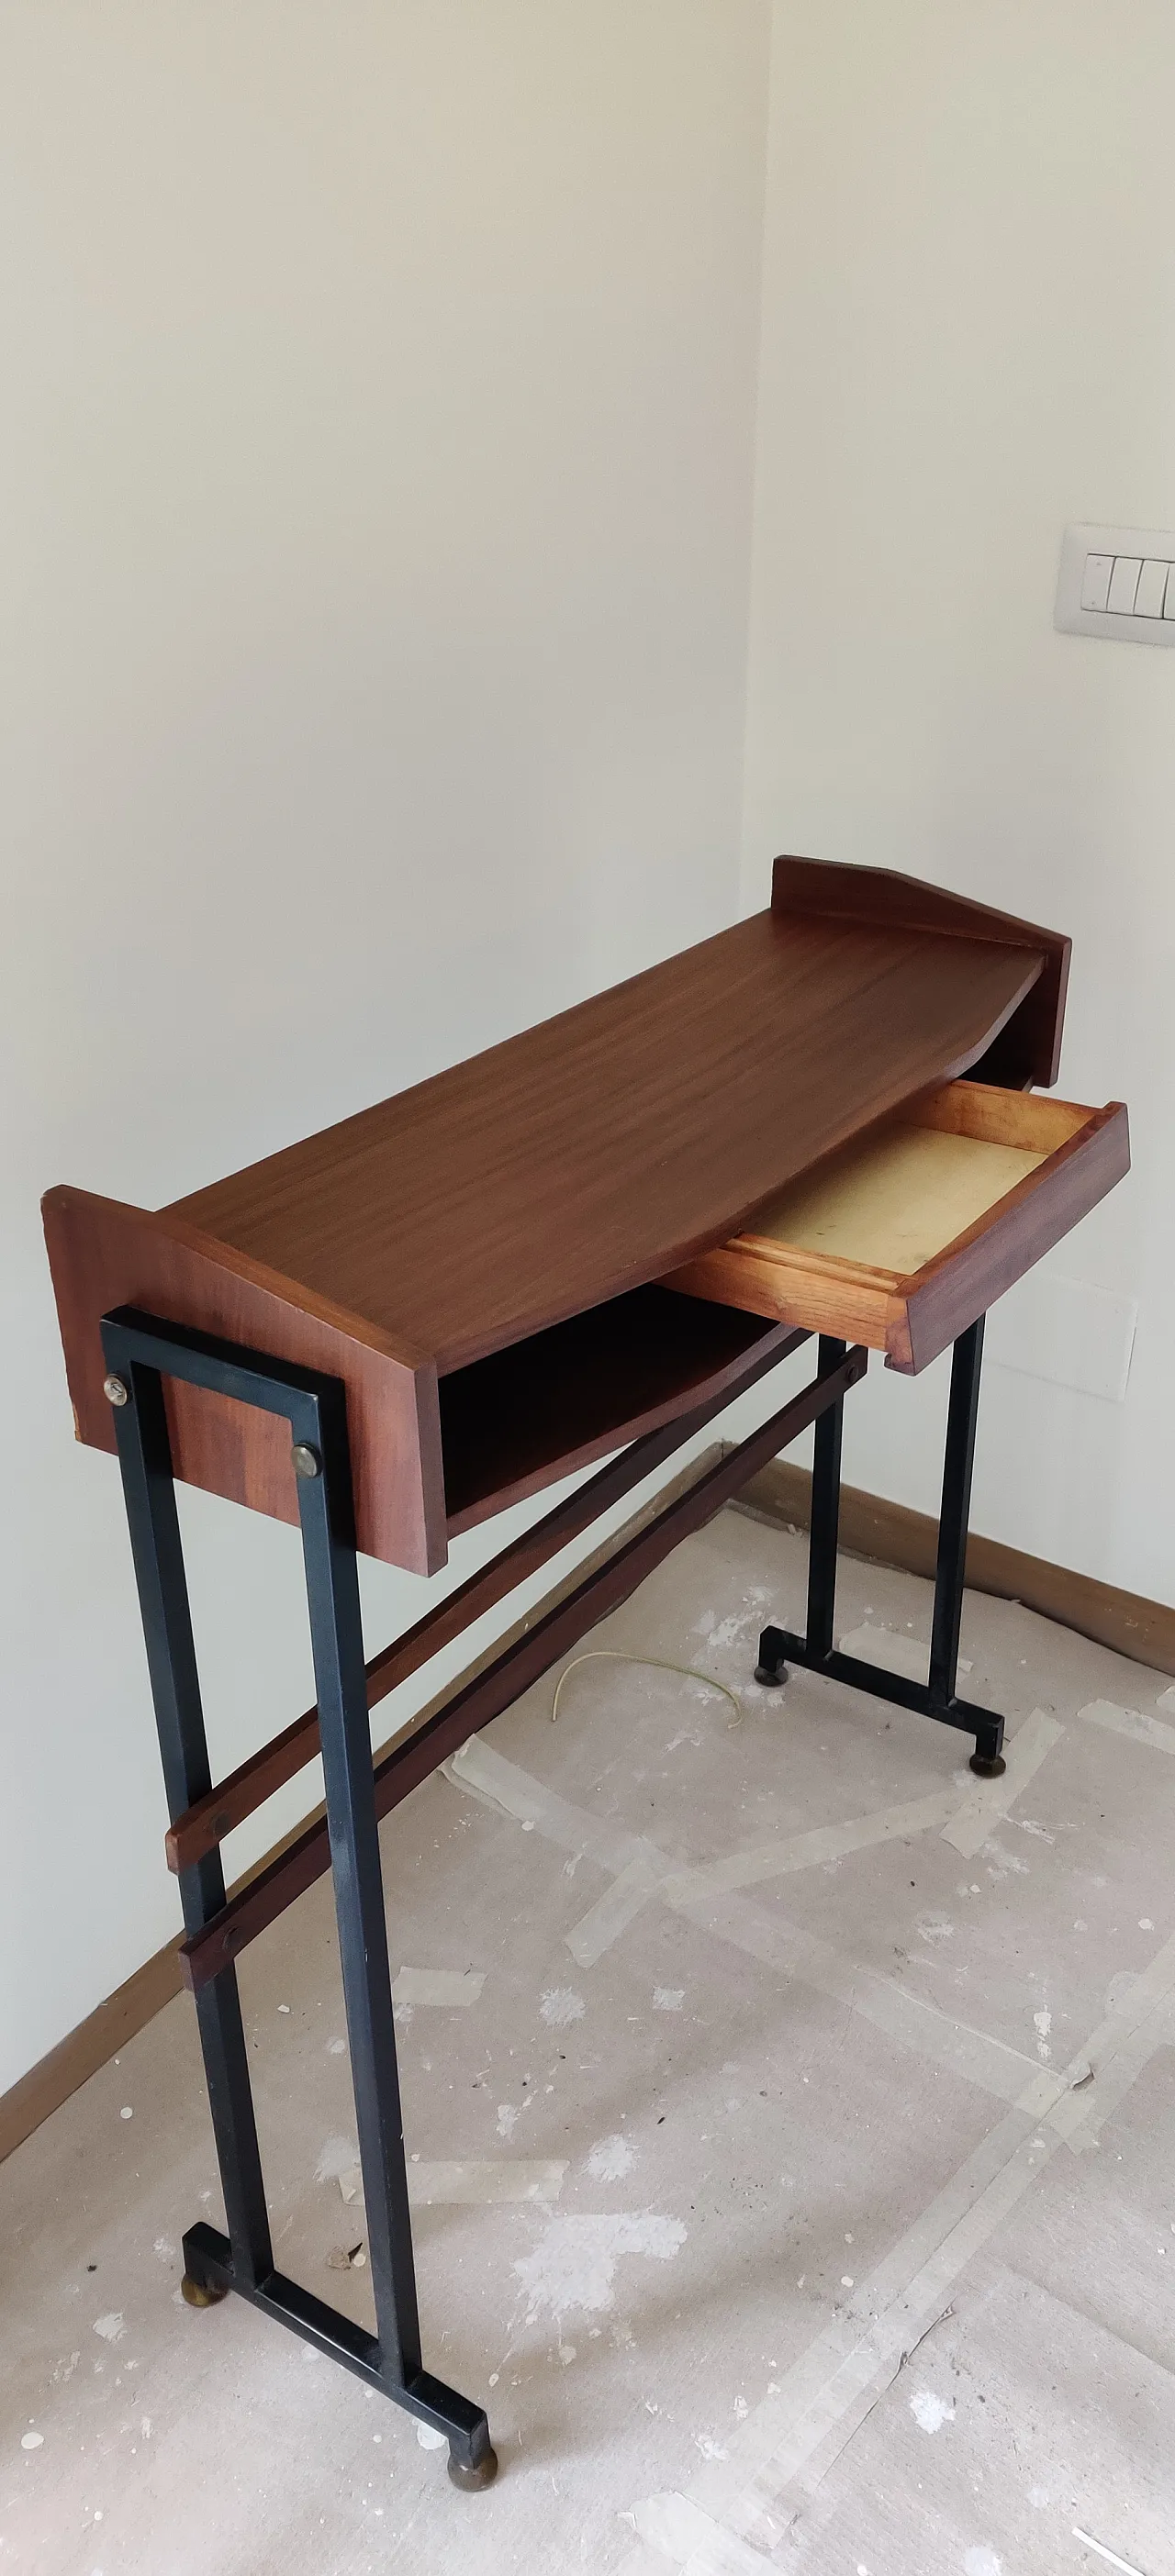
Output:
[[579, 1246]]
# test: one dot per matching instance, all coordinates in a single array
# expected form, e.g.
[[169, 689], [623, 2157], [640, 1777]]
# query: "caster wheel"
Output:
[[772, 1676], [988, 1766], [482, 2474], [201, 2294]]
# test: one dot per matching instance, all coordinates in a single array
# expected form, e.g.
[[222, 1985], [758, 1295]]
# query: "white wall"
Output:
[[969, 288], [378, 422]]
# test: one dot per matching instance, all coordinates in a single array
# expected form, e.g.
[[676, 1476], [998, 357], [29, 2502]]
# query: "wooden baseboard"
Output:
[[889, 1534], [106, 2030], [96, 2039]]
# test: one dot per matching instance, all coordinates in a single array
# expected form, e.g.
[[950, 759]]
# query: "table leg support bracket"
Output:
[[209, 2274], [814, 1652]]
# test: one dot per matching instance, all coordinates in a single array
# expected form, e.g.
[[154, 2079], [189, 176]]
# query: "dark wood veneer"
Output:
[[461, 1255], [600, 1149]]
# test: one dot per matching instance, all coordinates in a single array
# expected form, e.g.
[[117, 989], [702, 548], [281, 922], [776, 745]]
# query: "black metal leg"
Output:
[[139, 1352], [771, 1668], [145, 1458], [815, 1651], [332, 1586], [825, 1524], [951, 1564]]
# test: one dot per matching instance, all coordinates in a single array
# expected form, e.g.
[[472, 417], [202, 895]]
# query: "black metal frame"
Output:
[[814, 1651], [140, 1351]]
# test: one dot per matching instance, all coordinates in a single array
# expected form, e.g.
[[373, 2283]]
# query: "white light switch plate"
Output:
[[1118, 565]]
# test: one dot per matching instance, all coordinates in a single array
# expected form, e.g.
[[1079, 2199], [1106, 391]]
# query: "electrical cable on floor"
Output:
[[655, 1663]]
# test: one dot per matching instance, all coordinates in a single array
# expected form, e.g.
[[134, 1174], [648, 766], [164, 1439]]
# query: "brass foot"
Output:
[[988, 1767], [481, 2475], [201, 2294]]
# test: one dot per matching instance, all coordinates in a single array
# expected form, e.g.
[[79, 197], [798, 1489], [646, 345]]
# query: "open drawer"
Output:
[[905, 1236]]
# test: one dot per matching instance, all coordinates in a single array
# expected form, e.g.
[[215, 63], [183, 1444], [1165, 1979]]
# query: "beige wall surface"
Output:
[[969, 291], [385, 500], [377, 470]]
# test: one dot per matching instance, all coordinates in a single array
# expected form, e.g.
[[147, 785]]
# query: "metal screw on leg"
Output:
[[476, 2473], [114, 1390], [201, 2294]]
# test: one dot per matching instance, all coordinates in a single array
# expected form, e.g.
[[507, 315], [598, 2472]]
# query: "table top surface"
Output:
[[606, 1146]]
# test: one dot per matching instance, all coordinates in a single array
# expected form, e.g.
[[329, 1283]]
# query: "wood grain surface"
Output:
[[554, 1403], [602, 1148], [104, 1255], [1027, 1048], [913, 1315]]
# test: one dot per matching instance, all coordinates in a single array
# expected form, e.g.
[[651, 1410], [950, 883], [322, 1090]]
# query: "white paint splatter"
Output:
[[337, 2157], [112, 2326], [1145, 1924], [31, 2441], [668, 1998], [731, 1630], [508, 2118], [982, 2562], [336, 2047], [164, 2249], [127, 2111], [610, 2158], [1043, 2022], [560, 2006], [935, 1927], [429, 2438], [566, 2354], [710, 2448], [65, 2368], [573, 2267], [1039, 2497], [931, 2412]]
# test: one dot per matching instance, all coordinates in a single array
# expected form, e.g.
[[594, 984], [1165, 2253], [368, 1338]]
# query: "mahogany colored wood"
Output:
[[205, 1824], [599, 1150], [962, 1282], [1028, 1047], [556, 1173], [104, 1255], [568, 1395], [413, 1757], [913, 1317]]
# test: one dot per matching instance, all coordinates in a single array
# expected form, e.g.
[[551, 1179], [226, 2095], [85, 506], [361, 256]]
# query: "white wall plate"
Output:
[[1118, 583]]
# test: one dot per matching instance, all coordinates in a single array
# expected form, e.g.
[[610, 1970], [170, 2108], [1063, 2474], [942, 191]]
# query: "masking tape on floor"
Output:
[[801, 2430]]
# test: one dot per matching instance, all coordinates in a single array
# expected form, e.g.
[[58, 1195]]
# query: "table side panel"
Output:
[[103, 1254]]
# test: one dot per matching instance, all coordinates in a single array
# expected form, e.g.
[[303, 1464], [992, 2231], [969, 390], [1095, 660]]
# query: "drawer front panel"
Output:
[[1044, 1162]]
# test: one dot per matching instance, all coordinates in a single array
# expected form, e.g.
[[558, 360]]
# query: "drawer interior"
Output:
[[893, 1199], [512, 1423], [902, 1238]]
